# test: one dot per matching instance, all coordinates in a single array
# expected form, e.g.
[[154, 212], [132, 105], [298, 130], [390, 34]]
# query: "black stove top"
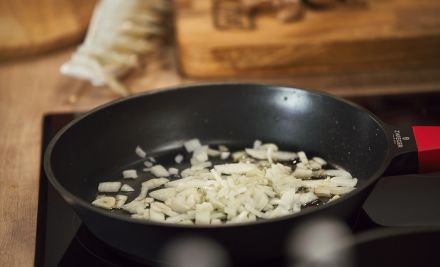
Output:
[[62, 240]]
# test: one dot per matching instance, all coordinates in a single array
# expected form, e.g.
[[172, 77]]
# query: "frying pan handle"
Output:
[[428, 147], [414, 149]]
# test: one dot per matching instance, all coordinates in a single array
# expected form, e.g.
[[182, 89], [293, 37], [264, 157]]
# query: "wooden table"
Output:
[[28, 89], [32, 87]]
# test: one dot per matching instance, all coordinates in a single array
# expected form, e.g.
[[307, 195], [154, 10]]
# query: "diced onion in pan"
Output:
[[140, 152], [261, 182], [159, 171], [109, 187], [127, 174], [127, 188], [105, 202]]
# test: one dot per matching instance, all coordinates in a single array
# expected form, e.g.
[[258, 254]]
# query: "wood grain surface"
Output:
[[29, 89], [379, 36], [30, 27]]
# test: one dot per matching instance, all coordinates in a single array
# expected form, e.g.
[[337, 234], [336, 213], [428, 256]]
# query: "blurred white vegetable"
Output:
[[119, 32]]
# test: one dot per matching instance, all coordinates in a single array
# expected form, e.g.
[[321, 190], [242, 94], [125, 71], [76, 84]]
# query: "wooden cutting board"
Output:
[[30, 27], [215, 39]]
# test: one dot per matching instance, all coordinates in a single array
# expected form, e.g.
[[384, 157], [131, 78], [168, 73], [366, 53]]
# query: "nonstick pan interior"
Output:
[[100, 145]]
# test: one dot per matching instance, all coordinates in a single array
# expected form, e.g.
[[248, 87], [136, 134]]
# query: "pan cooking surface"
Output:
[[102, 144]]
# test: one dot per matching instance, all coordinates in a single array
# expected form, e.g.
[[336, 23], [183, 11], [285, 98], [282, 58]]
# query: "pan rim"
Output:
[[75, 200]]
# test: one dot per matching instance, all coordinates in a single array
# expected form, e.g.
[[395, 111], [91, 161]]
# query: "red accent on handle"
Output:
[[428, 146]]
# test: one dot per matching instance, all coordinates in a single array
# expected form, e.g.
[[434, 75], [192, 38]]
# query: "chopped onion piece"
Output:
[[163, 194], [148, 164], [159, 171], [154, 183], [178, 218], [163, 208], [149, 185], [269, 153], [223, 148], [105, 202], [269, 146], [201, 165], [157, 216], [192, 144], [302, 157], [287, 200], [213, 152], [143, 214], [216, 221], [257, 144], [284, 156], [334, 198], [127, 174], [200, 153], [178, 204], [320, 160], [343, 181], [173, 171], [109, 187], [338, 173], [178, 159], [135, 206], [140, 152], [308, 197], [314, 165], [322, 191], [225, 154], [127, 188], [234, 168], [120, 201], [256, 153], [302, 173], [242, 217], [203, 213]]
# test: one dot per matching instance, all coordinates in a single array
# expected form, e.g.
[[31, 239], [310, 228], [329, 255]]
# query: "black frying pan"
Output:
[[97, 146]]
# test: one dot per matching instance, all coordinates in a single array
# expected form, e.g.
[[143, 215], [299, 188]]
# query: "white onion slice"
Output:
[[192, 144], [129, 174], [178, 159], [159, 171], [109, 187], [140, 152], [234, 168], [127, 188], [105, 202]]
